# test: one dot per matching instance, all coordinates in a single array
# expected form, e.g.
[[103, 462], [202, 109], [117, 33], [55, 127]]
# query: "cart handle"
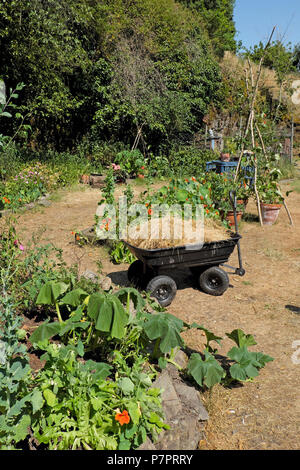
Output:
[[232, 197], [240, 270]]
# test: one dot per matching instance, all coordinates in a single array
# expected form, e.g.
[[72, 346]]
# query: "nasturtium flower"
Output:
[[123, 418]]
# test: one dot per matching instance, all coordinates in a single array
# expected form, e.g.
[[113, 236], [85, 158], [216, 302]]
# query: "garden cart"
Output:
[[152, 271]]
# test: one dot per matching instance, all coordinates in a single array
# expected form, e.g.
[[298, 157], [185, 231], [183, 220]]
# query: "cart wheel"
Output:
[[163, 288], [214, 281]]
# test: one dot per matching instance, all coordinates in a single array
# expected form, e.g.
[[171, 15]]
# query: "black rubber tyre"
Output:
[[214, 281], [163, 289]]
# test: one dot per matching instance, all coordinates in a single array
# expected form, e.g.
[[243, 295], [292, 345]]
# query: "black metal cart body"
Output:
[[153, 268]]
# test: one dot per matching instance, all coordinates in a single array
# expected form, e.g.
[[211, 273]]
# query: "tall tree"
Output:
[[218, 20]]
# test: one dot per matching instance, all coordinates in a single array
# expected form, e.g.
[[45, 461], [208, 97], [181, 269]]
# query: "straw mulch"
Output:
[[174, 231]]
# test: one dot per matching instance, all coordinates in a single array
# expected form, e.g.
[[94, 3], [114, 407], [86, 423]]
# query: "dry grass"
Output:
[[219, 431], [168, 233]]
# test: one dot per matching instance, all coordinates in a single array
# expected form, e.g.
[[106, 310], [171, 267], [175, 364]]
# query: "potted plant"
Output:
[[119, 173], [220, 193], [271, 201], [226, 211], [225, 156], [270, 195], [141, 172]]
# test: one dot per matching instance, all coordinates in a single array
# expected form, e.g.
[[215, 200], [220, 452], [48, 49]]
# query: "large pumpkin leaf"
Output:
[[50, 292], [241, 339], [247, 364], [74, 298], [130, 294], [167, 327], [120, 319], [208, 371], [45, 331], [108, 314]]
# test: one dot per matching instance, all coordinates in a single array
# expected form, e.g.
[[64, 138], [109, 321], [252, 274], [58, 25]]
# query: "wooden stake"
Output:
[[256, 193], [288, 213]]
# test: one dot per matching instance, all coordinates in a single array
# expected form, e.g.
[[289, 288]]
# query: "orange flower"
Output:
[[150, 211], [123, 418], [207, 211], [72, 233], [201, 197], [6, 200]]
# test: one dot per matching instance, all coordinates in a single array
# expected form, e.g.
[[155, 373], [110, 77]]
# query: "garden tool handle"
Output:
[[240, 270], [232, 197]]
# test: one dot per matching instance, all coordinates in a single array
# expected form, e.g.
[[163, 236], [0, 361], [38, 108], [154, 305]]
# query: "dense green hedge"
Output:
[[101, 69]]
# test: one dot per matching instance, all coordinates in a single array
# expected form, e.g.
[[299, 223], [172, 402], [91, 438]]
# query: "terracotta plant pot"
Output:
[[230, 217], [85, 179], [242, 202], [225, 157], [269, 213]]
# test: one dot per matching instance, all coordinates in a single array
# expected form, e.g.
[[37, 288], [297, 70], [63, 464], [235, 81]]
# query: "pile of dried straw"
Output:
[[171, 232]]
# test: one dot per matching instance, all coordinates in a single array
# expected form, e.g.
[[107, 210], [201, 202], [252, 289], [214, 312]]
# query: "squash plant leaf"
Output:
[[74, 298], [126, 385], [247, 364], [108, 313], [167, 327], [205, 372], [45, 331], [241, 339], [133, 295], [50, 292]]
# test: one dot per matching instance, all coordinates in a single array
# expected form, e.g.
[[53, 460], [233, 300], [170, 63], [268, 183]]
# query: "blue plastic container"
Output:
[[225, 167]]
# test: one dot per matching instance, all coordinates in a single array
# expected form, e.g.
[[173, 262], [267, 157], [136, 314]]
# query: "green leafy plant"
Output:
[[19, 401], [84, 399], [121, 254]]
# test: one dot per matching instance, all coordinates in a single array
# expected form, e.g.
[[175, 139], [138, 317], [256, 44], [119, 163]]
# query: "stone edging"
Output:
[[41, 201], [183, 410]]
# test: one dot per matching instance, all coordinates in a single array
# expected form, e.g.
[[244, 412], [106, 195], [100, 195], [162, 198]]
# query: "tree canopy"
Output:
[[105, 68]]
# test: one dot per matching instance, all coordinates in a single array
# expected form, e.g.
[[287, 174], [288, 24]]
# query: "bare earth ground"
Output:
[[265, 413]]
